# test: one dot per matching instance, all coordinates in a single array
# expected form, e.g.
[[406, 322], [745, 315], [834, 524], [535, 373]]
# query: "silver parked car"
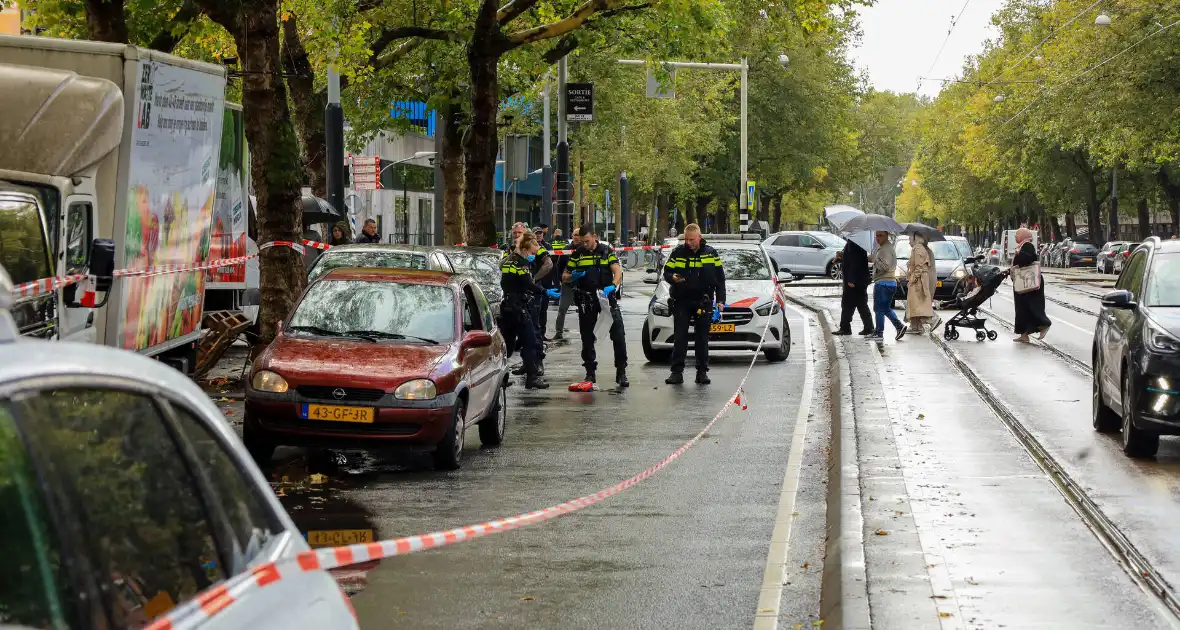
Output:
[[126, 494], [805, 253]]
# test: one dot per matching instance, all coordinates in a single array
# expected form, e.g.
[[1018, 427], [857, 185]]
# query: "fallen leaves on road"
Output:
[[945, 614], [881, 532], [527, 598], [317, 478], [921, 416], [805, 565]]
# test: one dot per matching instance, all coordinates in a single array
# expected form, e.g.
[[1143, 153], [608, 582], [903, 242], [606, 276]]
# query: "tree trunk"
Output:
[[479, 147], [763, 210], [1144, 219], [274, 151], [702, 211], [309, 108], [106, 21], [690, 210], [663, 207], [776, 217], [1172, 195], [451, 163], [1071, 225], [1054, 228]]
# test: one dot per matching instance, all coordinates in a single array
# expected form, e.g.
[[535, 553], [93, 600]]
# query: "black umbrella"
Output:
[[930, 234], [316, 210]]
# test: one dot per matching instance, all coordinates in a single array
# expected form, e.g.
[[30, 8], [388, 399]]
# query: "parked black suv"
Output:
[[1136, 357]]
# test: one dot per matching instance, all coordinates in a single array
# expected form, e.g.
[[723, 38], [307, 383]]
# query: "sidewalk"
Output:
[[961, 528]]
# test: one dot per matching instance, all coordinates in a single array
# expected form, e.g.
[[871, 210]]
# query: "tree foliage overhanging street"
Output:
[[1029, 132]]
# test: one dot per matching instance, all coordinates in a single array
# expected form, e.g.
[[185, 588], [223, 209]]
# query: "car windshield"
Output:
[[1163, 284], [964, 248], [482, 266], [393, 259], [744, 264], [376, 311], [829, 239], [943, 250]]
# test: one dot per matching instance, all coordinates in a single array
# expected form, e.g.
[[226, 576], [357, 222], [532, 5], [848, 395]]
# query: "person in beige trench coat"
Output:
[[921, 282]]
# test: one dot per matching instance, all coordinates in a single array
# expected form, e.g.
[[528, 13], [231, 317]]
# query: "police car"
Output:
[[753, 287]]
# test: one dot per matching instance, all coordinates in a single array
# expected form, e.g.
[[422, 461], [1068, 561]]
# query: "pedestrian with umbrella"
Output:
[[855, 266], [921, 282]]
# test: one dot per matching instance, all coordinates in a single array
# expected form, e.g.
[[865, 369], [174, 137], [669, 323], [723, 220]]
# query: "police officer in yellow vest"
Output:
[[520, 291], [696, 282], [591, 268]]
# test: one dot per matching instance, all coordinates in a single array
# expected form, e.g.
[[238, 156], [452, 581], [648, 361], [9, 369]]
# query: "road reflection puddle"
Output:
[[312, 496]]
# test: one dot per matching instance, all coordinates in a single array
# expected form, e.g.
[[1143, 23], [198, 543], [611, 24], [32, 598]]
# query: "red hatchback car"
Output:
[[375, 358]]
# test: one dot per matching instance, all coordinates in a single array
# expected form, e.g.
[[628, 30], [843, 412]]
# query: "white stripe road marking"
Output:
[[771, 595], [1059, 319]]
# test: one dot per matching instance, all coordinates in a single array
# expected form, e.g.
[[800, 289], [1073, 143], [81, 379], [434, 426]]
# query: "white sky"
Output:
[[902, 37]]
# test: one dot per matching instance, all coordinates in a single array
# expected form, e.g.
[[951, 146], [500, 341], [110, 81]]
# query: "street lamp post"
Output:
[[405, 190], [744, 67]]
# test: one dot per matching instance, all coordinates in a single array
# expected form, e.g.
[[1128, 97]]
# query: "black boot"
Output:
[[540, 368], [590, 376], [703, 377], [621, 379], [518, 370], [535, 382], [675, 378]]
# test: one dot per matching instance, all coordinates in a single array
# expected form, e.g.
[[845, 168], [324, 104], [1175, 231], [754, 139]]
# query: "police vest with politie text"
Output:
[[516, 279], [704, 276]]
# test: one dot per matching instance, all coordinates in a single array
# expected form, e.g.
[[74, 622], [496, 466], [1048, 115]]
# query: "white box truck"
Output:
[[1008, 246], [109, 143]]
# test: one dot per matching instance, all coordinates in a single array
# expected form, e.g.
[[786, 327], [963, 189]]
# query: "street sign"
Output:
[[579, 102], [366, 172], [750, 196]]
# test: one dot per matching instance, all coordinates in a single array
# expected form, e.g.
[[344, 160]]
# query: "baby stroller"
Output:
[[985, 280]]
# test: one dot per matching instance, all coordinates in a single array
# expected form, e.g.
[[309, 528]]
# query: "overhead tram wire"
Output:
[[995, 81], [1048, 90], [954, 23]]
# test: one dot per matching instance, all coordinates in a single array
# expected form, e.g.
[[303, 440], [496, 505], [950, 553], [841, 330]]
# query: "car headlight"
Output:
[[959, 274], [770, 308], [1158, 340], [267, 381], [659, 309], [418, 389]]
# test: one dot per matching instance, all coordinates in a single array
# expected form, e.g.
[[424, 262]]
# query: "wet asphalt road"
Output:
[[687, 548], [1001, 548]]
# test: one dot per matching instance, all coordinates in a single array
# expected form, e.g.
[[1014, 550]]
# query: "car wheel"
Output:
[[1136, 442], [651, 354], [258, 441], [1105, 420], [491, 428], [779, 354], [448, 455]]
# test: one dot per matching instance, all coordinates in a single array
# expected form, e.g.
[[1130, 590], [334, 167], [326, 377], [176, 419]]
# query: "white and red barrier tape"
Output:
[[48, 285], [218, 598]]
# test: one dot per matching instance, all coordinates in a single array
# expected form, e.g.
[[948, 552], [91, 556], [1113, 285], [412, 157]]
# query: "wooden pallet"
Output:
[[220, 330]]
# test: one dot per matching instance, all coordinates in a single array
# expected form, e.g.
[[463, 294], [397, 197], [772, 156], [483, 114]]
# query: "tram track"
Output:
[[1124, 552]]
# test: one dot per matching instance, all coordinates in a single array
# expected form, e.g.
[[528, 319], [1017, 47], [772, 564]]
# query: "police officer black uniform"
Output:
[[545, 273], [520, 291], [591, 268], [696, 282]]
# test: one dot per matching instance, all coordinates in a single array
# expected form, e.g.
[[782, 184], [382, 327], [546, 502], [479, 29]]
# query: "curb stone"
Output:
[[844, 598]]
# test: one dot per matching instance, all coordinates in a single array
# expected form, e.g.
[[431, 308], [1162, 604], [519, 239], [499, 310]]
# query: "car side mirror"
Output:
[[476, 339], [102, 262], [1119, 299], [785, 276]]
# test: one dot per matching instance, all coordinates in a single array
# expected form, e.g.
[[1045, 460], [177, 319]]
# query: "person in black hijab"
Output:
[[855, 265]]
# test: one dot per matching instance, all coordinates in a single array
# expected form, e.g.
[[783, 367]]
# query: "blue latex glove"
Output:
[[607, 291], [717, 308], [554, 294], [577, 275]]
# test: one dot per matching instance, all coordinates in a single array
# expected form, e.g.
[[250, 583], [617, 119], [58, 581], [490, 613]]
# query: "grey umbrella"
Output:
[[872, 223], [927, 232]]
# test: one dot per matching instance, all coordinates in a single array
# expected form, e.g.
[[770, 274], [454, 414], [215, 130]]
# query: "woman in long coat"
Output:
[[920, 284], [1030, 306]]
